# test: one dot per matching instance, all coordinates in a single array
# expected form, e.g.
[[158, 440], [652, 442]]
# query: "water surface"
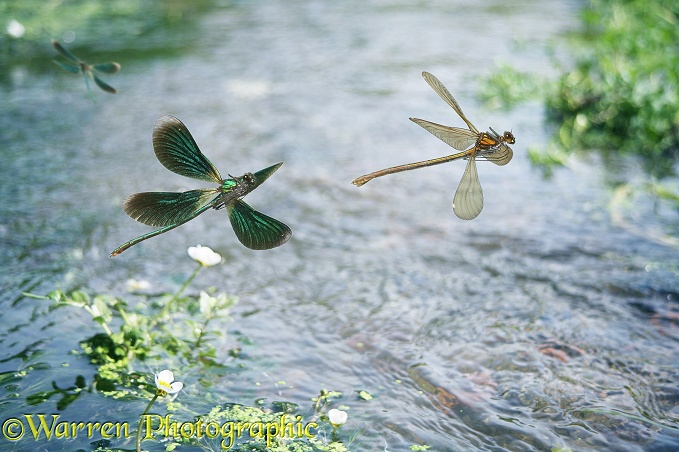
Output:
[[539, 324]]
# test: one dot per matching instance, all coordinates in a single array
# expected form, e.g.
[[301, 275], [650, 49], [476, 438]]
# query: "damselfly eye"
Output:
[[249, 178], [509, 137]]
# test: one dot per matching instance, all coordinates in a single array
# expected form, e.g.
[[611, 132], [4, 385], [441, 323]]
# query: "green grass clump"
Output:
[[623, 94]]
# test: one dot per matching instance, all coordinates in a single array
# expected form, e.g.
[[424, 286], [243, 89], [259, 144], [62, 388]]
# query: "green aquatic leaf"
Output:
[[365, 395]]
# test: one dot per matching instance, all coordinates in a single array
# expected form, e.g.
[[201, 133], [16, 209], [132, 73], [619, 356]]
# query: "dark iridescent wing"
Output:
[[107, 68], [177, 151], [468, 201], [168, 208], [163, 214], [103, 85], [256, 230], [460, 139], [63, 52], [446, 96], [68, 67]]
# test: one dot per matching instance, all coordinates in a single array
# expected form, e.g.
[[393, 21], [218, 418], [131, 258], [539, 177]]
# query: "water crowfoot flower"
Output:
[[166, 384], [337, 417], [204, 255], [134, 285]]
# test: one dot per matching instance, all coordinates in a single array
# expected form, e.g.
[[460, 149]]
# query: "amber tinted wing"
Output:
[[446, 96], [468, 201], [460, 139]]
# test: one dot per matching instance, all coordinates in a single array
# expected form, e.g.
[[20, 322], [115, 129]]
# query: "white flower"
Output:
[[209, 304], [15, 29], [204, 255], [165, 382], [134, 285], [337, 417]]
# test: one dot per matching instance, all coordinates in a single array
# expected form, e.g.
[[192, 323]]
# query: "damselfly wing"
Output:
[[490, 146]]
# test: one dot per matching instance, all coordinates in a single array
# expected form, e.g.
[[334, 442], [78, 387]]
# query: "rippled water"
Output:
[[540, 324]]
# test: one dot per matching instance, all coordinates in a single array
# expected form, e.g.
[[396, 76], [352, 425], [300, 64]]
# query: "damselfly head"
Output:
[[509, 137], [249, 178]]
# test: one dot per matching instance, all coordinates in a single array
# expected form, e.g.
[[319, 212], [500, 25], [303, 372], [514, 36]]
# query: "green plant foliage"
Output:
[[623, 94], [145, 332], [621, 99], [68, 395], [174, 331], [365, 395], [111, 25], [507, 87]]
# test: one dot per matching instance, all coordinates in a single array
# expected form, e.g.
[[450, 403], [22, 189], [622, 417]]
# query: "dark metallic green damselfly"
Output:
[[177, 151], [89, 71]]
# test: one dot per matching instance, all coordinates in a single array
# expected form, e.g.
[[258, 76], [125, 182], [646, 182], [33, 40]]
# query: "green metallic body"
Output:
[[177, 151]]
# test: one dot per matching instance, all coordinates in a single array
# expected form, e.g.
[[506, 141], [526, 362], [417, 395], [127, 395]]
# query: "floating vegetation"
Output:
[[173, 331]]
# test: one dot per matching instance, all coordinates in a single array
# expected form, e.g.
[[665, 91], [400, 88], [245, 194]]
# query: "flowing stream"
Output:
[[541, 324]]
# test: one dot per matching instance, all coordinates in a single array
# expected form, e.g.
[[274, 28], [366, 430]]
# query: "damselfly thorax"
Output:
[[235, 188], [492, 146]]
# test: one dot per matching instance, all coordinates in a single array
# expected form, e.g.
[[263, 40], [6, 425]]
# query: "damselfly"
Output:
[[491, 146], [87, 70], [177, 151]]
